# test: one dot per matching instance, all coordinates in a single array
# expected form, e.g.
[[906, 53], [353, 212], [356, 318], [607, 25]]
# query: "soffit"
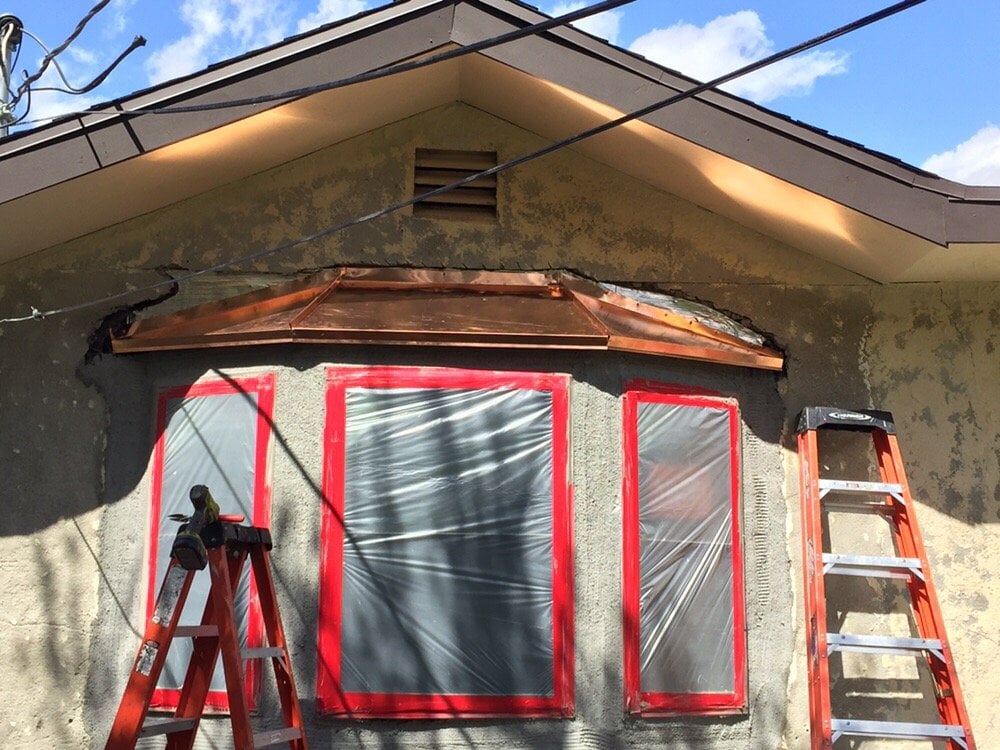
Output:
[[847, 206], [481, 309], [777, 208], [191, 166]]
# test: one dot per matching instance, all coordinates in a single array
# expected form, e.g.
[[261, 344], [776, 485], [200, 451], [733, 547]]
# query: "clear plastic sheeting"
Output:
[[208, 440], [685, 549], [702, 313], [448, 544]]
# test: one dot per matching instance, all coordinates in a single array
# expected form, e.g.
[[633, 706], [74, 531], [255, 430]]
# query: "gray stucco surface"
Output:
[[77, 438], [596, 474]]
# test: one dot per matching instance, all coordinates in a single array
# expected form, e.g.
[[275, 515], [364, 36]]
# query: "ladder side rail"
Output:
[[260, 559], [814, 594], [152, 656], [201, 668], [923, 593], [225, 568]]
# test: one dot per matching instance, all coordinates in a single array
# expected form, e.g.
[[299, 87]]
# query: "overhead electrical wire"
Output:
[[69, 88], [551, 148], [51, 56], [368, 75], [25, 89]]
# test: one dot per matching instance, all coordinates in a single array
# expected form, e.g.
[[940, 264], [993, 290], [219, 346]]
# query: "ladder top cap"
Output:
[[834, 418]]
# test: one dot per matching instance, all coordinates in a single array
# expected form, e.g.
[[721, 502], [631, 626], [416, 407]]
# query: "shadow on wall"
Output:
[[298, 585]]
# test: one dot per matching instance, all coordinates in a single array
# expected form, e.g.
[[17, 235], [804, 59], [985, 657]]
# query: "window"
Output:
[[217, 434], [446, 580], [683, 608]]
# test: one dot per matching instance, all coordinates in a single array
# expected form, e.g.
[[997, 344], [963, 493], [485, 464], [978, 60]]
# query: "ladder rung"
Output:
[[896, 730], [195, 631], [856, 505], [868, 488], [263, 653], [883, 644], [276, 737], [153, 727], [868, 566]]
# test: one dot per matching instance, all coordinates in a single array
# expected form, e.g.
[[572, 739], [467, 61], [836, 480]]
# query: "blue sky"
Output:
[[923, 86]]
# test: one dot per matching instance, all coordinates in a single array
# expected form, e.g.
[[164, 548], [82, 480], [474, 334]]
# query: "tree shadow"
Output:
[[298, 500]]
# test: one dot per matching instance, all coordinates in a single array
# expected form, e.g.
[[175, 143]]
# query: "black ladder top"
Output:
[[833, 418]]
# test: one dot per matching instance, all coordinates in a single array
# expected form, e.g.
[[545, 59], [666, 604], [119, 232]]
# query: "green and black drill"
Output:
[[189, 548]]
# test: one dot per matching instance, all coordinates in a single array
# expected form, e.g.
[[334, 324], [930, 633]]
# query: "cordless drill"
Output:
[[189, 545]]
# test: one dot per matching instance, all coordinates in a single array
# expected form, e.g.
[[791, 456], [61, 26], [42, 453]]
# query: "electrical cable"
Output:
[[27, 110], [139, 41], [55, 63], [370, 75], [26, 84], [557, 146]]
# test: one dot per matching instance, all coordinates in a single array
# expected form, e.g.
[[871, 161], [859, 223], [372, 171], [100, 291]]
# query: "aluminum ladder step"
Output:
[[856, 504], [195, 631], [883, 644], [274, 737], [898, 730], [154, 727], [870, 566], [866, 488]]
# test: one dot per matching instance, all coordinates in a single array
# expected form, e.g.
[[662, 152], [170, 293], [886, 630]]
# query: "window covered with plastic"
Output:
[[216, 434], [684, 642], [446, 567]]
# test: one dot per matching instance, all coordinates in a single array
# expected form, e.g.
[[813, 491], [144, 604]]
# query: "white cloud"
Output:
[[119, 17], [79, 56], [604, 25], [217, 29], [731, 42], [973, 162], [330, 10]]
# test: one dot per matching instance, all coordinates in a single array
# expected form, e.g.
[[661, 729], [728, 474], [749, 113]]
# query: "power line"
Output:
[[370, 75], [9, 103], [51, 56], [551, 148]]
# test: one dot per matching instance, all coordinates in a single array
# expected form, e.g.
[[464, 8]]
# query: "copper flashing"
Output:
[[429, 307]]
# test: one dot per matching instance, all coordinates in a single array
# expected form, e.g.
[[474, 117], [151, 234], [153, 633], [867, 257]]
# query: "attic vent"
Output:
[[437, 167]]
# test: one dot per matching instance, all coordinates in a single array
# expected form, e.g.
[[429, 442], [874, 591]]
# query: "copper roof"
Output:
[[425, 307]]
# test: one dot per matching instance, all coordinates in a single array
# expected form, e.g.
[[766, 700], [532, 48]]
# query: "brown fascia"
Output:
[[917, 202]]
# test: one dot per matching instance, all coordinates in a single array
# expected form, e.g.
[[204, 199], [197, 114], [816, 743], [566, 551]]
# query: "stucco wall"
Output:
[[596, 440], [76, 452]]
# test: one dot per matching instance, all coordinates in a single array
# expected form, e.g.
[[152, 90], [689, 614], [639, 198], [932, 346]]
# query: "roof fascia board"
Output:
[[677, 82], [915, 202], [69, 149], [908, 199], [293, 48], [181, 89], [972, 222]]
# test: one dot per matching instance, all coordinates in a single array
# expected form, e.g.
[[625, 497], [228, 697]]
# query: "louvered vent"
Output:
[[437, 167]]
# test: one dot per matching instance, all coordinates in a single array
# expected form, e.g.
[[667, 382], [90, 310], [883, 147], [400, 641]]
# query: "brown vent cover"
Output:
[[437, 167]]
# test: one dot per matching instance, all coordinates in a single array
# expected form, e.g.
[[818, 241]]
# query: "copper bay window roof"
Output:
[[426, 307]]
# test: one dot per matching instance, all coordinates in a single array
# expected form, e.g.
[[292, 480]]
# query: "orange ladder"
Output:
[[227, 546], [892, 498]]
